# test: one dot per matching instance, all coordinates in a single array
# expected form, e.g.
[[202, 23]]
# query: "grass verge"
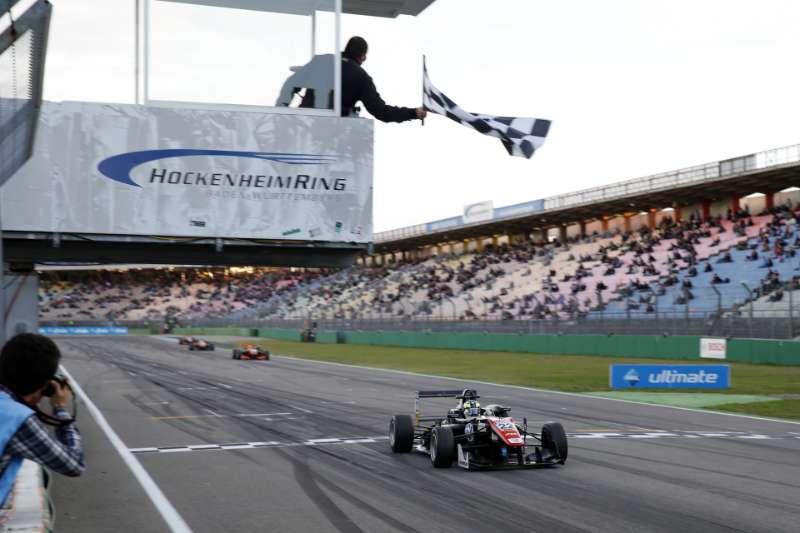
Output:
[[556, 372], [775, 409]]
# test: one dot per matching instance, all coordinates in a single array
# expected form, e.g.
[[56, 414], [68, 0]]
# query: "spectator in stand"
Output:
[[726, 258]]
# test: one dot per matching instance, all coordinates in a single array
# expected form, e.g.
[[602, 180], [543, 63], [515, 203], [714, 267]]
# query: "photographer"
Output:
[[28, 365]]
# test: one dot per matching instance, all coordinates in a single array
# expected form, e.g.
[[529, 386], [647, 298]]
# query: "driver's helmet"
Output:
[[471, 408]]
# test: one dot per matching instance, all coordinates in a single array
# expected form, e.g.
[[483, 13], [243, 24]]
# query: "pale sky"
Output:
[[633, 87]]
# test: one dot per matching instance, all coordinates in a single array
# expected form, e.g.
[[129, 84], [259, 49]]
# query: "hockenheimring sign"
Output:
[[135, 170]]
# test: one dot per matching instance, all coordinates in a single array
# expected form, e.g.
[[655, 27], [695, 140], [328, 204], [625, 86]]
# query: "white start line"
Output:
[[254, 445], [372, 440]]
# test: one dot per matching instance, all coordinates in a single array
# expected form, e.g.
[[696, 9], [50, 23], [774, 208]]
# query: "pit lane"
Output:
[[296, 445]]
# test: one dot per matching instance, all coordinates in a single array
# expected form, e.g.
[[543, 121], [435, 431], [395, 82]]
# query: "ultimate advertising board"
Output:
[[136, 170], [669, 376]]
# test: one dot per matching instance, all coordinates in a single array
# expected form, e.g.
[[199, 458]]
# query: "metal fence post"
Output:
[[791, 314], [719, 300], [750, 299]]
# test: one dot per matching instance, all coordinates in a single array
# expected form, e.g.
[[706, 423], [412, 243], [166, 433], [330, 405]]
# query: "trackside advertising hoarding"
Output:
[[136, 170], [81, 330], [713, 348], [669, 376]]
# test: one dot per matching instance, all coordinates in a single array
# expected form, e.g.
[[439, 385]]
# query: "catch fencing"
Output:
[[756, 325]]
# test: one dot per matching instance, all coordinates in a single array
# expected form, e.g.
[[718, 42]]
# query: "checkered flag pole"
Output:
[[521, 136]]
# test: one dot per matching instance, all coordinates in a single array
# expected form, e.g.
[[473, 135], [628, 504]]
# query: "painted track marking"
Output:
[[168, 513], [374, 439], [254, 445], [213, 414]]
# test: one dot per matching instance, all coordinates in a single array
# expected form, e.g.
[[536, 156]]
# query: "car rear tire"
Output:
[[442, 447], [401, 433], [554, 439]]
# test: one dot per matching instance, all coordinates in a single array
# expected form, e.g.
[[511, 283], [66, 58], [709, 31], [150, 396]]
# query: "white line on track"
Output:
[[263, 414], [254, 445], [170, 515], [534, 389], [369, 440]]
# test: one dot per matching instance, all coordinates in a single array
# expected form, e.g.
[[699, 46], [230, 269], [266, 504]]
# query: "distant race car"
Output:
[[477, 438], [250, 351], [202, 345], [185, 341], [308, 335]]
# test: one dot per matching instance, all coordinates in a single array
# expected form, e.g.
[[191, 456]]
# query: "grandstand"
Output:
[[678, 246]]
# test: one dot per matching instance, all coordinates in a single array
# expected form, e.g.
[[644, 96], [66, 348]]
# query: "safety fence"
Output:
[[746, 324]]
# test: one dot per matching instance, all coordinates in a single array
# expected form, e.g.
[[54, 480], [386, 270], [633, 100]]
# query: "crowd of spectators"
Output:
[[628, 271], [142, 294]]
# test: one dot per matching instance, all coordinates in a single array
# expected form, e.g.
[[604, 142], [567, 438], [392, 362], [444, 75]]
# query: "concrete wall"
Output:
[[22, 303]]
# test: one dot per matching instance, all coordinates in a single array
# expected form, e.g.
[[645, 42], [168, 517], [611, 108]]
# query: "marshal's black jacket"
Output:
[[357, 86]]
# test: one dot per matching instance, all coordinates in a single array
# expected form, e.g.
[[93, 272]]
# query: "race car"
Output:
[[477, 438], [250, 351], [202, 345], [186, 341]]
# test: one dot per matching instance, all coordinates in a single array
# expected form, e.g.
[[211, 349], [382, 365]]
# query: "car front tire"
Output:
[[442, 447], [401, 433], [554, 439]]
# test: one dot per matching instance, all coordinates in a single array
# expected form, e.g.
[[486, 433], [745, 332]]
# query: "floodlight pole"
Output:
[[136, 51], [146, 53], [313, 34], [337, 61]]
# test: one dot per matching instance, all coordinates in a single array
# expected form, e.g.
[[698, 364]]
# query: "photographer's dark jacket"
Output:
[[357, 86]]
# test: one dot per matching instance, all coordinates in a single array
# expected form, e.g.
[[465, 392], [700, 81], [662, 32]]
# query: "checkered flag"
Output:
[[521, 136]]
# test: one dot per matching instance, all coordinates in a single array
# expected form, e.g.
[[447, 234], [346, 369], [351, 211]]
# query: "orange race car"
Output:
[[248, 352]]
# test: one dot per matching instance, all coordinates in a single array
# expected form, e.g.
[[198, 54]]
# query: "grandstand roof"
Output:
[[764, 172], [372, 8], [24, 249]]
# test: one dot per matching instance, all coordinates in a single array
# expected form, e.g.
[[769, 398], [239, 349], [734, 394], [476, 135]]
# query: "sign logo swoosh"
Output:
[[119, 167]]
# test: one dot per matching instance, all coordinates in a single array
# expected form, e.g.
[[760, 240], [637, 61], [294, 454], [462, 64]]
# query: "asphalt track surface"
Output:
[[298, 446]]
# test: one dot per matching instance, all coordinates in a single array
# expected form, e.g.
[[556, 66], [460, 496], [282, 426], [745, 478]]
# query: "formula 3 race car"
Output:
[[201, 345], [477, 438], [247, 352]]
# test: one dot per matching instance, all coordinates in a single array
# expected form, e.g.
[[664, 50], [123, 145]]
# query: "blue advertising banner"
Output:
[[81, 330], [669, 376]]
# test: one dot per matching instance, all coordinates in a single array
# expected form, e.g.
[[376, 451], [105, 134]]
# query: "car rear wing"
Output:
[[422, 394], [439, 393]]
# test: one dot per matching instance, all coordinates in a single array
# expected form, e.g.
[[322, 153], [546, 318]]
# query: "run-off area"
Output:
[[296, 445]]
